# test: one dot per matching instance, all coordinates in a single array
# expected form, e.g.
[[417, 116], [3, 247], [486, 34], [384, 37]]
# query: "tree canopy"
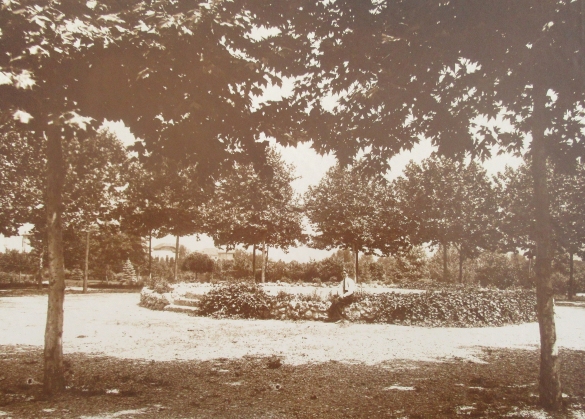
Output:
[[449, 203], [349, 210], [251, 207]]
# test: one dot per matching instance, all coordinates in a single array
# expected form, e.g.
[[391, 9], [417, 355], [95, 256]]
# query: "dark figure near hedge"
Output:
[[344, 297]]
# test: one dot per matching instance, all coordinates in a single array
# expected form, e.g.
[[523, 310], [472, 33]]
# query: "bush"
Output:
[[161, 287], [197, 263], [501, 271], [241, 299], [463, 308]]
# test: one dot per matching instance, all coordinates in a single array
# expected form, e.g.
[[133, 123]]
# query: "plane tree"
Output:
[[567, 202], [256, 207], [400, 71], [350, 210], [449, 203], [182, 77]]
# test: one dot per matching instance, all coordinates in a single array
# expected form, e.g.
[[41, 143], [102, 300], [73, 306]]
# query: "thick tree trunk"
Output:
[[445, 264], [263, 276], [40, 273], [86, 273], [254, 262], [54, 380], [550, 380], [176, 259], [571, 286]]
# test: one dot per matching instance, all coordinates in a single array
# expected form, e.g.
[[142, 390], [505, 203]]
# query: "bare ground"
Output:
[[126, 361]]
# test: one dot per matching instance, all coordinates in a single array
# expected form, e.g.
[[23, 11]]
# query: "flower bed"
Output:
[[466, 307]]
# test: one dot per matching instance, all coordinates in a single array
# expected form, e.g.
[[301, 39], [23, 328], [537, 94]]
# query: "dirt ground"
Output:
[[126, 361]]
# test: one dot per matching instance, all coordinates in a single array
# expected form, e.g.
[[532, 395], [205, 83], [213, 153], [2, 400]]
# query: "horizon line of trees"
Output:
[[116, 204]]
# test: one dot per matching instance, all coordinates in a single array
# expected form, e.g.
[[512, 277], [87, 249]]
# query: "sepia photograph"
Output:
[[274, 209]]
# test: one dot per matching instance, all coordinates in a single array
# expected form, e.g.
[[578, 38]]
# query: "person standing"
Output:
[[344, 297]]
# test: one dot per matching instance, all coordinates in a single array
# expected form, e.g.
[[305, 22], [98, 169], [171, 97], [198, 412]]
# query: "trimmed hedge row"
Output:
[[454, 308]]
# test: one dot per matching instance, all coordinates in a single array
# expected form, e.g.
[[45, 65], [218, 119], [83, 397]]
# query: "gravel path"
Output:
[[114, 325]]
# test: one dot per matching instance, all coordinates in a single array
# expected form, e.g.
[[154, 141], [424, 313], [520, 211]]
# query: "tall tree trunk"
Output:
[[550, 379], [176, 259], [357, 270], [150, 255], [263, 277], [86, 273], [461, 264], [254, 262], [266, 258], [54, 380], [570, 288], [445, 265]]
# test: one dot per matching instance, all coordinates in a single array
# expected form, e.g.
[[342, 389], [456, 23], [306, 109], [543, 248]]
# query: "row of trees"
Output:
[[183, 78], [112, 202], [446, 203]]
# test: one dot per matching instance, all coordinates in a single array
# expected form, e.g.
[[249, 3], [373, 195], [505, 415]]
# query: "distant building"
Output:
[[167, 251], [163, 251], [217, 254]]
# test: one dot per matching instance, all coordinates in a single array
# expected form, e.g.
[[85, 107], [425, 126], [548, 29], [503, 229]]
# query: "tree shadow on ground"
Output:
[[503, 384]]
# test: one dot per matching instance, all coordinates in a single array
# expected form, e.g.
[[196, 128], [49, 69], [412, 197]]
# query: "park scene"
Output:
[[301, 209]]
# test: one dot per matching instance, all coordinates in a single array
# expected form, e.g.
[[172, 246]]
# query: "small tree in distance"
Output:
[[128, 273], [198, 263]]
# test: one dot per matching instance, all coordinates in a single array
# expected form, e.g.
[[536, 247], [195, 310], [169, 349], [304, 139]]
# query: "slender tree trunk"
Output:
[[357, 270], [445, 264], [254, 262], [266, 260], [150, 255], [263, 276], [54, 380], [461, 265], [86, 273], [570, 288], [176, 259], [550, 380]]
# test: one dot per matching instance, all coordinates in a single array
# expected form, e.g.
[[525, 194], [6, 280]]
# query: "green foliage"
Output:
[[128, 273], [15, 261], [161, 287], [502, 271], [466, 307], [407, 266], [241, 299], [462, 307], [351, 211], [76, 275], [254, 205], [197, 262], [449, 203]]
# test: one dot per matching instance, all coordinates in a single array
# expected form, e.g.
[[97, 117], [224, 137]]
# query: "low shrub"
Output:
[[245, 300], [460, 308], [153, 300]]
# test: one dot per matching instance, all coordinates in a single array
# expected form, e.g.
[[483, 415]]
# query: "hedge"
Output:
[[449, 308]]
